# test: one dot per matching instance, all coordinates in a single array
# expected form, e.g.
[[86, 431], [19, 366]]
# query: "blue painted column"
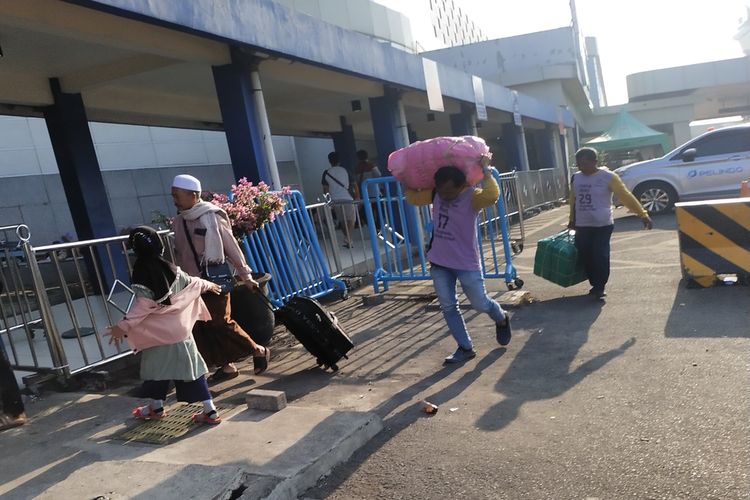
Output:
[[515, 146], [392, 133], [464, 123], [239, 115], [81, 177], [388, 124], [79, 168], [346, 146]]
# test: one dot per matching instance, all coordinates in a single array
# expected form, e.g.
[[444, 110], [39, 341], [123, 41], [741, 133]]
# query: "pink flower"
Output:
[[252, 206]]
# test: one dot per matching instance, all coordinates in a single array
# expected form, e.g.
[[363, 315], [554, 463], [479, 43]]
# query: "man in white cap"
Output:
[[203, 235]]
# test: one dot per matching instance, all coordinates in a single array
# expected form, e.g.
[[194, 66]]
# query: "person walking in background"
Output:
[[203, 235], [336, 183], [591, 215], [454, 252], [365, 168], [159, 324]]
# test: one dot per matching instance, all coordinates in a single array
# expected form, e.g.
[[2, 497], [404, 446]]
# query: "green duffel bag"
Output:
[[557, 260]]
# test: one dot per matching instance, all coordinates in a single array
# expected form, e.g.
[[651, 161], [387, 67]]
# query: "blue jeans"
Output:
[[593, 250], [472, 283]]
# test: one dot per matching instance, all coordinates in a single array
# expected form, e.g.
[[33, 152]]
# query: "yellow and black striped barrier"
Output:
[[714, 239]]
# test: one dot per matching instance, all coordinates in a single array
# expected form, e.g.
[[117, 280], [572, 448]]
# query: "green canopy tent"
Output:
[[627, 134]]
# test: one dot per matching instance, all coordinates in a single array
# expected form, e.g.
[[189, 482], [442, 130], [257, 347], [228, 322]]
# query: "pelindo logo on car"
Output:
[[721, 171]]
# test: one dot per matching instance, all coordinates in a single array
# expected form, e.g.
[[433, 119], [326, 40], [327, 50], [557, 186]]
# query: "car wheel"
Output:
[[656, 197]]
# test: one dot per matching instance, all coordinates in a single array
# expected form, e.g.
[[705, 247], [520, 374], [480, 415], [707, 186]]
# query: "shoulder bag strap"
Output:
[[192, 247], [335, 180]]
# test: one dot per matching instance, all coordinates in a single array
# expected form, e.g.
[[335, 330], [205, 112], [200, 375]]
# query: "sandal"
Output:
[[151, 415], [206, 418], [220, 375], [260, 363], [9, 421]]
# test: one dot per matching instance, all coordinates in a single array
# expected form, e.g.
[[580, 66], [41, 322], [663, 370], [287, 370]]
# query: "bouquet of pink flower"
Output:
[[250, 206]]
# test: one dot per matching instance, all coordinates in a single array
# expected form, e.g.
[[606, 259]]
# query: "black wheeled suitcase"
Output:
[[317, 329]]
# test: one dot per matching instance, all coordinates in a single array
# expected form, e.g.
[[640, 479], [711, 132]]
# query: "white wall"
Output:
[[25, 147], [517, 59], [365, 16], [312, 154]]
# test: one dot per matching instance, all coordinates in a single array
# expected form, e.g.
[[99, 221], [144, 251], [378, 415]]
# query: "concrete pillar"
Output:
[[546, 151], [412, 134], [388, 124], [515, 146], [553, 135], [465, 122], [239, 114], [346, 147], [566, 155], [265, 128], [81, 177], [391, 133], [681, 133]]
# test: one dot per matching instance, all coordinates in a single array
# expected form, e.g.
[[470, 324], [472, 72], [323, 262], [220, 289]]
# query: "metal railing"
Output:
[[53, 302], [355, 260], [289, 249], [404, 232], [538, 188], [61, 291]]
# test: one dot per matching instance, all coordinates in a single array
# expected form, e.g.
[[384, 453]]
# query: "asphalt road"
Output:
[[642, 397]]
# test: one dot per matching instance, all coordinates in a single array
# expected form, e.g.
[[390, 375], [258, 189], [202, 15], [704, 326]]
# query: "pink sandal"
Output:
[[204, 418], [151, 415]]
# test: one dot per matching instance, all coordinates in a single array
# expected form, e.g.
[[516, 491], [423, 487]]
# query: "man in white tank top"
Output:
[[591, 215]]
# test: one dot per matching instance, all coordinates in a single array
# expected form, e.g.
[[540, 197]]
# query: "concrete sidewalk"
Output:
[[67, 451]]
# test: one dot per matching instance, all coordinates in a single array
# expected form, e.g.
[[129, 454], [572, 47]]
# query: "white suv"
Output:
[[710, 166]]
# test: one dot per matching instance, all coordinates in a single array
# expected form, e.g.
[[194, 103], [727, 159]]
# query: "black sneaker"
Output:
[[503, 331], [599, 294]]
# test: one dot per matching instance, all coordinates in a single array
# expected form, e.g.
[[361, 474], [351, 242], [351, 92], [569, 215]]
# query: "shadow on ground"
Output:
[[729, 314], [542, 369]]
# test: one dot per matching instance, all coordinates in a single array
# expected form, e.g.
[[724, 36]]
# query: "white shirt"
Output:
[[593, 198], [339, 191]]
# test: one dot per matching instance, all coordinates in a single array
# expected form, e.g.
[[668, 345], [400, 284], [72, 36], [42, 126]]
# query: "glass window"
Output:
[[723, 143]]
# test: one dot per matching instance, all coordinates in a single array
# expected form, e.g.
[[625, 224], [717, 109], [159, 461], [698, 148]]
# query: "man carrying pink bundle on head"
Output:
[[454, 252], [159, 325]]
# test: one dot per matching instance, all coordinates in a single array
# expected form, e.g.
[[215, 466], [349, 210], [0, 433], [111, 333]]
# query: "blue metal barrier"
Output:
[[399, 250], [289, 250]]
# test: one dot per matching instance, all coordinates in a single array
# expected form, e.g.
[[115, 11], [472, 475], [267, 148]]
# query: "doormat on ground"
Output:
[[177, 423]]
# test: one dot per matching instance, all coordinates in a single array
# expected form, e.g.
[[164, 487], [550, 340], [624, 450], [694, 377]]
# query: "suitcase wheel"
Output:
[[319, 361], [334, 367]]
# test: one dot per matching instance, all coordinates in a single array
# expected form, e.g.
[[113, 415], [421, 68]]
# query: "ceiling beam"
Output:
[[101, 74]]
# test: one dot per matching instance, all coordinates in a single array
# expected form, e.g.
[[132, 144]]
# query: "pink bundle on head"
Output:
[[416, 164]]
